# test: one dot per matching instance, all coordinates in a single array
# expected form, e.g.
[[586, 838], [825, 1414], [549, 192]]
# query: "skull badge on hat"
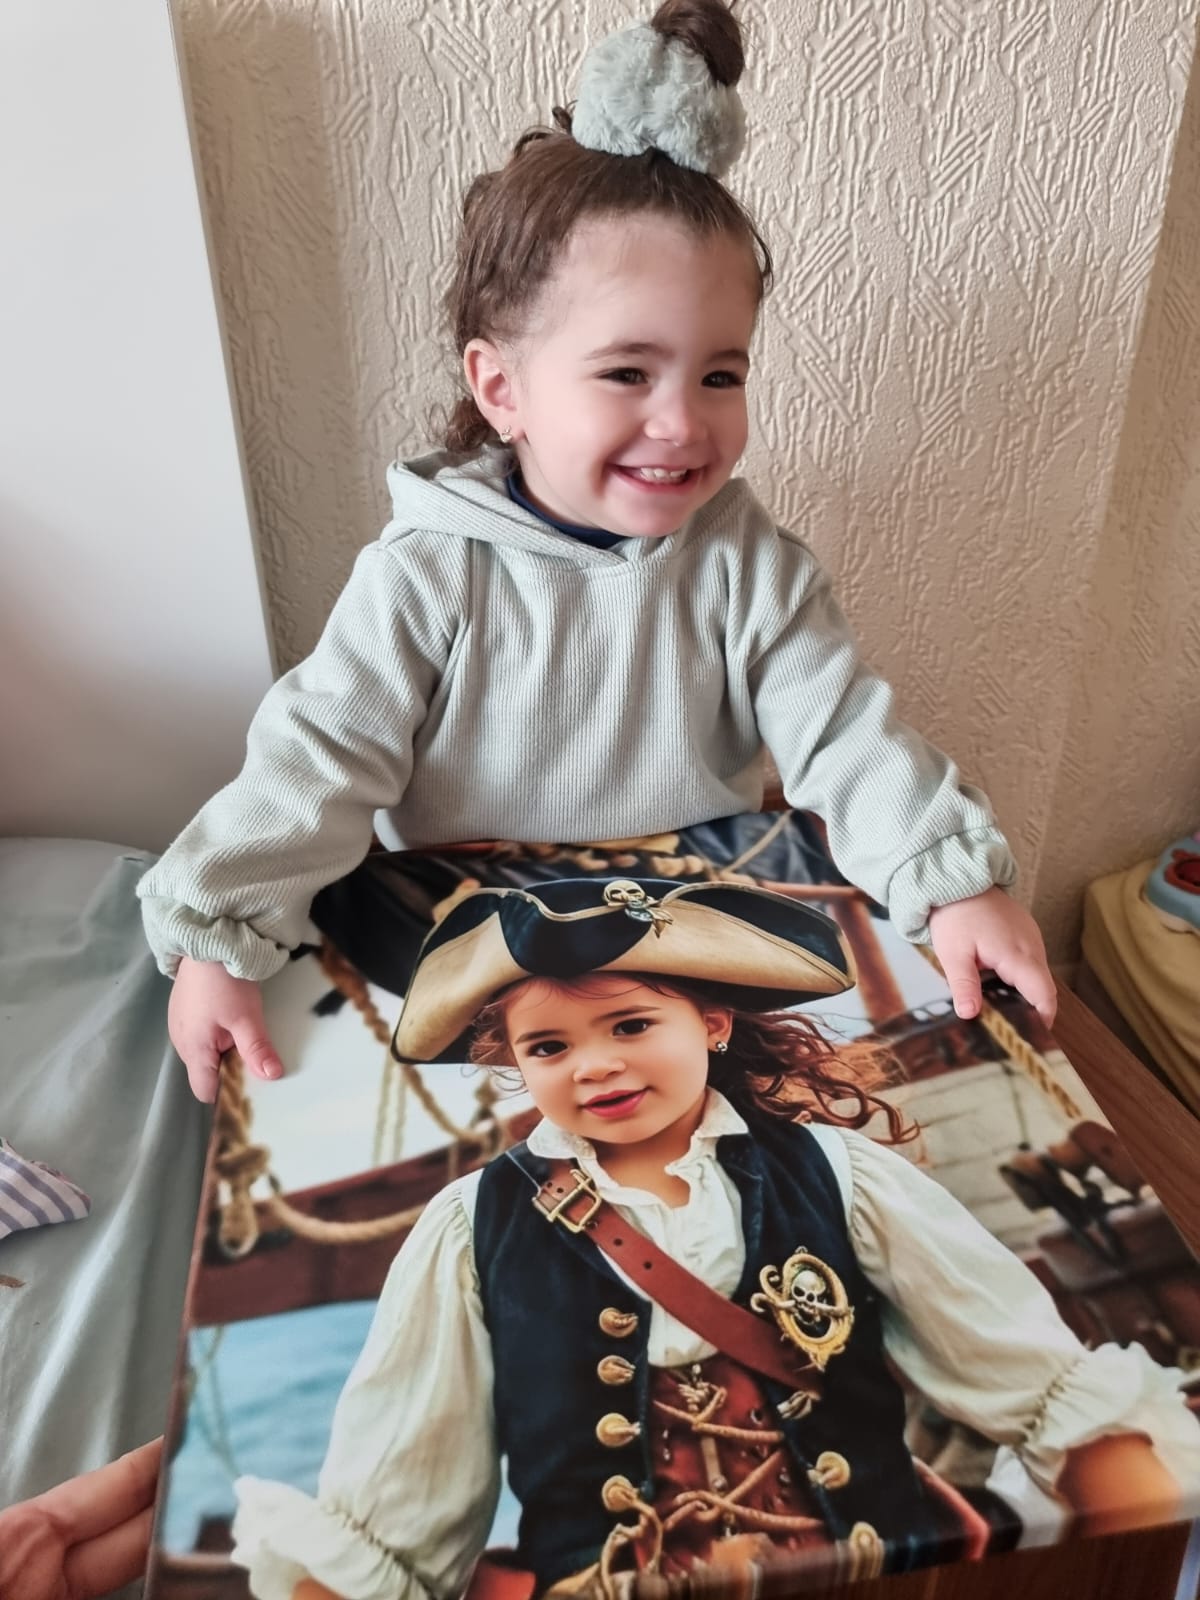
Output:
[[752, 948]]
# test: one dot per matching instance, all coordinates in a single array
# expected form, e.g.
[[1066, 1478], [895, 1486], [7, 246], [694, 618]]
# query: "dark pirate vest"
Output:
[[574, 1392]]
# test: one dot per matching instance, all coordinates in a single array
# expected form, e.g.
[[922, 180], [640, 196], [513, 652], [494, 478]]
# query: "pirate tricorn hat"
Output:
[[753, 949]]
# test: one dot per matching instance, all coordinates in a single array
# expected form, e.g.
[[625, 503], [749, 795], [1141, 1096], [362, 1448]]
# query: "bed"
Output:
[[89, 1310]]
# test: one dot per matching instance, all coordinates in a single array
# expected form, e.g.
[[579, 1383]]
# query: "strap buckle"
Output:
[[584, 1188]]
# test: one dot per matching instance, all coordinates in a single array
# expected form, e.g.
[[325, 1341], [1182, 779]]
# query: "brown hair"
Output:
[[516, 222], [778, 1065]]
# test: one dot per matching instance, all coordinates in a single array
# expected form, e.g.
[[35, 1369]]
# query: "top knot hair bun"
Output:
[[667, 85]]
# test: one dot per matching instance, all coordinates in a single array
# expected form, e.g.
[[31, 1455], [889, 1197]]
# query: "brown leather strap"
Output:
[[568, 1197]]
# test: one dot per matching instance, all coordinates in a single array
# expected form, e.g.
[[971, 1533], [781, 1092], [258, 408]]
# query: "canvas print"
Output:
[[639, 1219]]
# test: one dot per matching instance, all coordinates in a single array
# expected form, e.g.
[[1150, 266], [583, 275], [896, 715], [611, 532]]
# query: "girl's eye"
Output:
[[725, 380], [544, 1048], [625, 375], [632, 1025]]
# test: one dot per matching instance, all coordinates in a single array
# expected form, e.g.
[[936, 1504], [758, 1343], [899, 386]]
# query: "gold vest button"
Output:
[[615, 1370], [618, 1494], [832, 1471], [618, 1324], [615, 1431], [866, 1551]]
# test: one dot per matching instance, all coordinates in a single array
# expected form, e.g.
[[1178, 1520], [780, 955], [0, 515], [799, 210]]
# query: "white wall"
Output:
[[133, 647]]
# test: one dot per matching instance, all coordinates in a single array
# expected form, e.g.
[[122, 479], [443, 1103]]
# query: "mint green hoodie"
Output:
[[483, 676]]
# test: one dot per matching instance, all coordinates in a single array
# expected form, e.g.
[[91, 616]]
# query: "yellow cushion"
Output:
[[1151, 973]]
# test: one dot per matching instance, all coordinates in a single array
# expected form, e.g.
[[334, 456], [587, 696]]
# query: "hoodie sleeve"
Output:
[[901, 823], [331, 743]]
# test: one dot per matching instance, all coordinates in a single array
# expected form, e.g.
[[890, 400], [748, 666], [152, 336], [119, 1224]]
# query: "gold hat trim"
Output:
[[710, 944]]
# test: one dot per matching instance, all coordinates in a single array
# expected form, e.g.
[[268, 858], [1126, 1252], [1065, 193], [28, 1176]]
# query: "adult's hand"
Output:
[[84, 1538]]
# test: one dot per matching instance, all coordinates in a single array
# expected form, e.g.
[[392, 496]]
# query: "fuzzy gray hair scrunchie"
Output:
[[640, 91]]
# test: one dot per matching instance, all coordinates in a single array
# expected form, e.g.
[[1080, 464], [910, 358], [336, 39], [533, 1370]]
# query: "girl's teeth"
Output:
[[660, 474]]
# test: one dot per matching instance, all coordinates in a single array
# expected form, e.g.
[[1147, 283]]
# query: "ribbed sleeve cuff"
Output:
[[174, 931], [953, 868]]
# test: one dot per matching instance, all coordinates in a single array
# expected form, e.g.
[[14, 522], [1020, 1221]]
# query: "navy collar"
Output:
[[597, 537]]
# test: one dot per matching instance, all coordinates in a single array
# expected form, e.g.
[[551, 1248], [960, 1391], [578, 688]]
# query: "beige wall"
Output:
[[1130, 767], [966, 203]]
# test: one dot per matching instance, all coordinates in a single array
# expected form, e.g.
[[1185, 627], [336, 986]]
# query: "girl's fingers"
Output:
[[203, 1066], [1031, 979], [967, 994], [253, 1044], [961, 973]]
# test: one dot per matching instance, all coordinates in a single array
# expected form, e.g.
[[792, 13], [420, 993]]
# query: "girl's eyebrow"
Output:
[[643, 347], [607, 1016]]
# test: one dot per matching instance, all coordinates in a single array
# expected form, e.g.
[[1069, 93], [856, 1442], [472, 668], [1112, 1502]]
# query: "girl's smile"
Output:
[[614, 1061], [661, 481], [625, 393], [621, 1103]]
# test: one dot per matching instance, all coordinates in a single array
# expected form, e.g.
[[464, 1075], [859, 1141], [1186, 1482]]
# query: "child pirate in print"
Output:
[[675, 1310]]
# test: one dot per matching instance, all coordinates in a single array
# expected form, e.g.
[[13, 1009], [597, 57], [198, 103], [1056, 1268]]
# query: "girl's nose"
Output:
[[675, 420], [593, 1065]]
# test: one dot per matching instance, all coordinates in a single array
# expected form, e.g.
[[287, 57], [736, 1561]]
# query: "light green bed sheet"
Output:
[[90, 1085]]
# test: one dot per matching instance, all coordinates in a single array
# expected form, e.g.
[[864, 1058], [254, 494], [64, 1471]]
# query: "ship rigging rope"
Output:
[[350, 981], [1020, 1052], [239, 1163]]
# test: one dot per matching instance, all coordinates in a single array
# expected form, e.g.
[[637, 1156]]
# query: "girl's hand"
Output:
[[1116, 1483], [211, 1012], [86, 1537], [990, 930]]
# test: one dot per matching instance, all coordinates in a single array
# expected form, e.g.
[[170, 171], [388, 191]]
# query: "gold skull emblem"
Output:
[[809, 1303]]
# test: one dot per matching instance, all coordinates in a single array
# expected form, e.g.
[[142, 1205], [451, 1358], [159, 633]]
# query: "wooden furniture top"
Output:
[[1159, 1132]]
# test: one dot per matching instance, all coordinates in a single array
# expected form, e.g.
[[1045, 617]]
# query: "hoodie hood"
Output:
[[468, 496]]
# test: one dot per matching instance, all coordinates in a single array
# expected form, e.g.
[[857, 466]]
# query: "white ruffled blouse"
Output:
[[409, 1486]]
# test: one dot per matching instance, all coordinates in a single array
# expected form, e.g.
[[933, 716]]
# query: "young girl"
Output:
[[639, 1017], [578, 624]]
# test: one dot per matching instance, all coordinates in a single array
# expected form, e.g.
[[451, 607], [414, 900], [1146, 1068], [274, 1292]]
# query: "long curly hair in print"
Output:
[[778, 1065]]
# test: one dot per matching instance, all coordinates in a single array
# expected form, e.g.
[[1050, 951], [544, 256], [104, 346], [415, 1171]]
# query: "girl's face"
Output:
[[611, 1059], [626, 398]]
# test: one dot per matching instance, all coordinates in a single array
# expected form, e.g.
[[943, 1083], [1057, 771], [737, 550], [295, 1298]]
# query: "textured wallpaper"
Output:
[[967, 203], [1129, 776]]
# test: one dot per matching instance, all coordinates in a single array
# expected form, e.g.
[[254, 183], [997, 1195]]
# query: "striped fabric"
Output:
[[32, 1194]]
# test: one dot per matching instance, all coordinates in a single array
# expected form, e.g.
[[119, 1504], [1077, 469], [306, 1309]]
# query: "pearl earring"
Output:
[[721, 1047], [506, 436]]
